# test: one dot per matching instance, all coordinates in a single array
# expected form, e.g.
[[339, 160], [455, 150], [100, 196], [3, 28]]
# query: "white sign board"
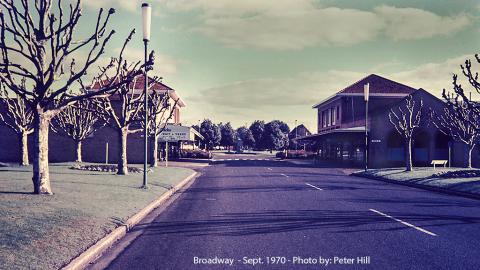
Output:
[[175, 133]]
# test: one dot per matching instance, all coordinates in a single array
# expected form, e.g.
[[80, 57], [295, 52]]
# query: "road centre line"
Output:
[[403, 222], [315, 187]]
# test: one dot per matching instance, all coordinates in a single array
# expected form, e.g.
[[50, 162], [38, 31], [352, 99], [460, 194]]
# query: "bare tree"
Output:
[[123, 109], [38, 48], [461, 124], [405, 120], [19, 117], [78, 122], [160, 111], [473, 80]]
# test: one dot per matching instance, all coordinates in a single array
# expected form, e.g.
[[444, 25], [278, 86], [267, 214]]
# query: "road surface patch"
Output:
[[403, 222]]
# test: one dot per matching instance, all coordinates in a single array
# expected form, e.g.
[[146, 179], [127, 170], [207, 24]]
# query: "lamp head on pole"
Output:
[[366, 91], [146, 20]]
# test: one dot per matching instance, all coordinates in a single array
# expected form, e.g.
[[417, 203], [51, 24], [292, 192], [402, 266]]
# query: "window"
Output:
[[333, 116], [329, 118], [323, 120]]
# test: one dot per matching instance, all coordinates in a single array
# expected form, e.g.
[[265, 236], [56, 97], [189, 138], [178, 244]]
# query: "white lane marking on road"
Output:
[[313, 186], [284, 175], [403, 222]]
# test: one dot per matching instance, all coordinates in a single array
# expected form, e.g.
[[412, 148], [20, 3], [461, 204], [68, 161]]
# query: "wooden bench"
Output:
[[439, 162]]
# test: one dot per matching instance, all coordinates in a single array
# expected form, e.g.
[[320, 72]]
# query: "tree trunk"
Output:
[[469, 156], [122, 152], [79, 152], [154, 151], [23, 138], [41, 177], [408, 155]]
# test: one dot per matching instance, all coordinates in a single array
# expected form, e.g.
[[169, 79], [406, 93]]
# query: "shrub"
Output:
[[280, 155], [103, 168], [195, 154], [300, 154], [458, 174]]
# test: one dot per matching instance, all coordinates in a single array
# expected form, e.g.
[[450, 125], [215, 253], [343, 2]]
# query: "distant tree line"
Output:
[[258, 136]]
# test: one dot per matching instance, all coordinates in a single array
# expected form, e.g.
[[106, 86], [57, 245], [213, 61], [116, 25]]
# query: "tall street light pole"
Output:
[[366, 90], [146, 22]]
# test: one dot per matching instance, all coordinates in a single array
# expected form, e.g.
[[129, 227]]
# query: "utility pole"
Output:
[[366, 90]]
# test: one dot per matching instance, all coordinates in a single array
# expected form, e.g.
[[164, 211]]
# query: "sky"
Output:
[[238, 61]]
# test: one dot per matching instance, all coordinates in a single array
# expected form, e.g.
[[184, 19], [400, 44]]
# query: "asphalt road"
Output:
[[273, 212]]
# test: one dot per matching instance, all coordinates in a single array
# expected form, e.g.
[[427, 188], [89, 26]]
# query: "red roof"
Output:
[[137, 86], [378, 85], [139, 82]]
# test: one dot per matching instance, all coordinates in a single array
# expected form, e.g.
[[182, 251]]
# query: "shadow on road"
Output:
[[267, 222]]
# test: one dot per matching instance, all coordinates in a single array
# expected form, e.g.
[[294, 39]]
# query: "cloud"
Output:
[[289, 24], [294, 30], [271, 98], [298, 24], [129, 5], [412, 23], [434, 77]]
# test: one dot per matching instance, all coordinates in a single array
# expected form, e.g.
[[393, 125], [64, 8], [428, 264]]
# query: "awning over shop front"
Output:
[[316, 137]]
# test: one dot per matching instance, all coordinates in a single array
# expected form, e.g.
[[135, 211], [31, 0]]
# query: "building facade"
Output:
[[341, 123]]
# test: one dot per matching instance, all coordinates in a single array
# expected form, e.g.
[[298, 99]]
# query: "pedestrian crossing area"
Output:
[[240, 159]]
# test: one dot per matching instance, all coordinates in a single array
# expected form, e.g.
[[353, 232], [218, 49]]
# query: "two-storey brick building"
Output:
[[341, 127]]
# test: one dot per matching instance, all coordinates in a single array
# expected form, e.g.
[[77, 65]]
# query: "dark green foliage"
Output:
[[246, 136], [274, 138], [257, 129], [228, 135], [211, 133]]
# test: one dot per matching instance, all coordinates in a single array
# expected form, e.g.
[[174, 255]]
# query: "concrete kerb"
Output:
[[96, 250], [420, 186]]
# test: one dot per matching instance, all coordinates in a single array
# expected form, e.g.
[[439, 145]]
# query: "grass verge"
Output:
[[459, 183], [46, 232]]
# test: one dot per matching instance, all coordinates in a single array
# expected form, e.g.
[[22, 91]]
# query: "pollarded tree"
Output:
[[161, 108], [37, 42], [78, 122], [19, 117], [405, 120], [468, 104], [123, 110], [459, 122], [473, 80]]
